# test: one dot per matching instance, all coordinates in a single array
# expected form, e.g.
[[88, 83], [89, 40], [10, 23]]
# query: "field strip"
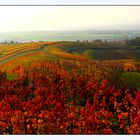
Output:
[[17, 53], [22, 49], [8, 49]]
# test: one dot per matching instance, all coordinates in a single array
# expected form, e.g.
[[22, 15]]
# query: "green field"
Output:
[[132, 79]]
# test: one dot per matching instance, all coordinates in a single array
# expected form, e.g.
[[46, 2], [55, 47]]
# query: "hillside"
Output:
[[27, 53], [12, 55], [61, 88]]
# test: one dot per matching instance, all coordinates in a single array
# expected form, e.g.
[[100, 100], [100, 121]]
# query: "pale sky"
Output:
[[42, 18]]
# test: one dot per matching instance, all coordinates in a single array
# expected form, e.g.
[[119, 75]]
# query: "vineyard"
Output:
[[11, 50], [11, 55], [69, 97], [49, 88], [69, 69]]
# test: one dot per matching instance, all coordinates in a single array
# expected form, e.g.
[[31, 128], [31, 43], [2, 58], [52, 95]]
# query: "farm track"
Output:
[[51, 55]]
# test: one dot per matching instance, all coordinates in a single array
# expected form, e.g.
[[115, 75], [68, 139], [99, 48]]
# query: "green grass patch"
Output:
[[11, 76], [132, 79]]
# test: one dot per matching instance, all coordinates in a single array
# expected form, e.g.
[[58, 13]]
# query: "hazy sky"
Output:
[[33, 18]]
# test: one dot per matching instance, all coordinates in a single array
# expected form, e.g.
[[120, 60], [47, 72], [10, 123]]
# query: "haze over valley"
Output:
[[89, 34]]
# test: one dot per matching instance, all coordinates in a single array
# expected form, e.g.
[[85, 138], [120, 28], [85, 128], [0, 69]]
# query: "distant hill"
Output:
[[90, 35]]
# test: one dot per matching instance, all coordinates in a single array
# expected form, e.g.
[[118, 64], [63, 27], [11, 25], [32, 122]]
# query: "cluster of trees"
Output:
[[135, 41]]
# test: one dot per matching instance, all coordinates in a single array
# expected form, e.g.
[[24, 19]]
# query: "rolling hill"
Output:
[[12, 55]]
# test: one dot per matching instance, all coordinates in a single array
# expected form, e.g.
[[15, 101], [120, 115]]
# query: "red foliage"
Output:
[[68, 98]]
